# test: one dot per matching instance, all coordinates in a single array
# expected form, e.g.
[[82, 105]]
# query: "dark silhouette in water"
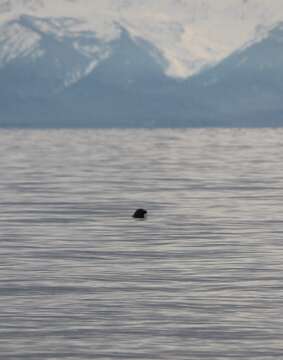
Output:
[[140, 214]]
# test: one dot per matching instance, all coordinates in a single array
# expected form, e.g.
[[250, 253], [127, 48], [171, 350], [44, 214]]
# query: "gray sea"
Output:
[[200, 278]]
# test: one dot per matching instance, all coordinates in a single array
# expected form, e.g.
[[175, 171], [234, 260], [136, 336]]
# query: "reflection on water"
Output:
[[201, 278]]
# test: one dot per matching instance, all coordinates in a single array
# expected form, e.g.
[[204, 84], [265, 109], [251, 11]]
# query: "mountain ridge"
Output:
[[61, 72], [189, 33], [117, 93]]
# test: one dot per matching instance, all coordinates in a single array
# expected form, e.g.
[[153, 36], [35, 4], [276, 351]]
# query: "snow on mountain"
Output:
[[53, 44], [191, 34], [245, 89], [128, 87], [15, 41]]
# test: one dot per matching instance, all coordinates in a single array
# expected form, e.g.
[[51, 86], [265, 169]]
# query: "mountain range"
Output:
[[123, 64]]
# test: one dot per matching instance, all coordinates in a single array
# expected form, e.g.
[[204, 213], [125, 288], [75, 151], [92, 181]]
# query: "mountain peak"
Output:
[[190, 34], [83, 81]]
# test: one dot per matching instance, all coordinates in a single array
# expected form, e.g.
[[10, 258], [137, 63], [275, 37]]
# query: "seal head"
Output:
[[140, 214]]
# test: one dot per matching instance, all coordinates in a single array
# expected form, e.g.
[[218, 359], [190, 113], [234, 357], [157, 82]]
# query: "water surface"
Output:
[[201, 278]]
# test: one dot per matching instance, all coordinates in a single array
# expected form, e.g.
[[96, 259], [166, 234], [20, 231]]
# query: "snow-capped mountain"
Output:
[[140, 63], [130, 89], [246, 88], [191, 34], [48, 43]]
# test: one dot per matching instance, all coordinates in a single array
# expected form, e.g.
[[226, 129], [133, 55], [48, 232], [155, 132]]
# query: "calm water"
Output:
[[201, 278]]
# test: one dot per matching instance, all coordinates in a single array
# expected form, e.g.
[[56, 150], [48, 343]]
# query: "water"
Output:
[[201, 278]]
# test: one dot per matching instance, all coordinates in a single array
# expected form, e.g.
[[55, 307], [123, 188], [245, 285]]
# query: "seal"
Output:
[[140, 214]]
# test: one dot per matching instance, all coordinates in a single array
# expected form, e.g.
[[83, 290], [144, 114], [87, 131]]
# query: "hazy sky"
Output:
[[180, 9]]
